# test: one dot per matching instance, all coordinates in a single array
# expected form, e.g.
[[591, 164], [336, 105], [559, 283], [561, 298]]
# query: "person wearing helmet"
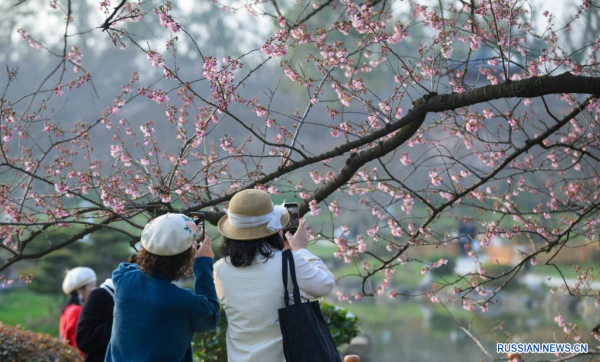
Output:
[[154, 319], [77, 285]]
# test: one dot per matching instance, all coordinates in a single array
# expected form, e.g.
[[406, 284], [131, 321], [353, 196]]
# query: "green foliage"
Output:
[[17, 345], [343, 325], [211, 346], [49, 274], [102, 252]]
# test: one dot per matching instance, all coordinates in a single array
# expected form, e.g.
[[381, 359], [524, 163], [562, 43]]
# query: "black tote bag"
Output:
[[306, 337]]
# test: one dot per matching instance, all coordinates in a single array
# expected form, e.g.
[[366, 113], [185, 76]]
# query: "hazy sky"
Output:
[[47, 24]]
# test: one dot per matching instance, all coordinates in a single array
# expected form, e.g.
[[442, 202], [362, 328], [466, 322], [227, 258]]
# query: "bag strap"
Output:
[[288, 257], [284, 270], [296, 291]]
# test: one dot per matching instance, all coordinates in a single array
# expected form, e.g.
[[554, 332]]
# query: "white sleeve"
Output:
[[218, 284], [314, 278]]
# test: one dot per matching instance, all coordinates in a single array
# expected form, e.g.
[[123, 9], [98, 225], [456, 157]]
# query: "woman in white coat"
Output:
[[248, 278]]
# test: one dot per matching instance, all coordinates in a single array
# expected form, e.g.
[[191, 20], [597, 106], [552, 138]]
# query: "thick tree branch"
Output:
[[408, 126], [527, 88]]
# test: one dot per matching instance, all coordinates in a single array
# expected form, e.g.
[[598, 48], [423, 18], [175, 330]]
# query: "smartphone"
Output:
[[199, 218], [294, 211]]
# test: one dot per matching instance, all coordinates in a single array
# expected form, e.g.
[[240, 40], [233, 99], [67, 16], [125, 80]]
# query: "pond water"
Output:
[[417, 330]]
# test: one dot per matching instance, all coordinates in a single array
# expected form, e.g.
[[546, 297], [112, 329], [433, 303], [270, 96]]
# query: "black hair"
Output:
[[243, 252], [73, 299]]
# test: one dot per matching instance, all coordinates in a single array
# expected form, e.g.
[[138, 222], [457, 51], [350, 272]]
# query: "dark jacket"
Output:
[[95, 325]]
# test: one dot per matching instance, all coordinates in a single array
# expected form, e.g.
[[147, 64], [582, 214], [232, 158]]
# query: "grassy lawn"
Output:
[[35, 312]]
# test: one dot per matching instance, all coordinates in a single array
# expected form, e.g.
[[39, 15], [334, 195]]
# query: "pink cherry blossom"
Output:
[[439, 263], [436, 180], [405, 159], [314, 207]]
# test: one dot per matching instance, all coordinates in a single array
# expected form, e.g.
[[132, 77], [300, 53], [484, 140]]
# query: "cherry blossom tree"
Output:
[[493, 103]]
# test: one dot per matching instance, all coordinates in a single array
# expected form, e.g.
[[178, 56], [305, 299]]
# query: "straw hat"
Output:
[[252, 215]]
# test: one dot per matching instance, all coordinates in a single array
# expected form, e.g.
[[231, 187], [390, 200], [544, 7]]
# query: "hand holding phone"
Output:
[[204, 249], [300, 239], [199, 219], [294, 211]]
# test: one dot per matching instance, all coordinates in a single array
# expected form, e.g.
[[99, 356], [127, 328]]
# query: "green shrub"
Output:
[[17, 345], [343, 325], [211, 346]]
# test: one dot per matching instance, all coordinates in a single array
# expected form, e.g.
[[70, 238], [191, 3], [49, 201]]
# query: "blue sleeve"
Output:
[[121, 270], [205, 314]]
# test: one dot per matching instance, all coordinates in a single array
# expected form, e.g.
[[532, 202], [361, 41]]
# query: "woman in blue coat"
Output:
[[155, 320]]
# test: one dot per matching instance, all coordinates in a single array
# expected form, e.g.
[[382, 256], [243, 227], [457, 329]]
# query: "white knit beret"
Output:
[[77, 278], [169, 234]]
